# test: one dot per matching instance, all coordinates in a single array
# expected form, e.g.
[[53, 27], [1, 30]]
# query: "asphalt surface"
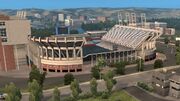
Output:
[[142, 95]]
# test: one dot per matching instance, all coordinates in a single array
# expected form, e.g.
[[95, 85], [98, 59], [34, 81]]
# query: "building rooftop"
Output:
[[164, 73], [131, 37], [93, 49], [175, 78]]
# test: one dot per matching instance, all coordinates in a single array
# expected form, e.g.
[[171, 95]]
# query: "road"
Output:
[[122, 82]]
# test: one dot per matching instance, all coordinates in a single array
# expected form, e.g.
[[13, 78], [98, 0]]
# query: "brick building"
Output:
[[13, 42]]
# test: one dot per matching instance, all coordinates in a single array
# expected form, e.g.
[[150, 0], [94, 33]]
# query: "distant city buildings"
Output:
[[101, 18], [162, 25], [61, 17], [14, 39]]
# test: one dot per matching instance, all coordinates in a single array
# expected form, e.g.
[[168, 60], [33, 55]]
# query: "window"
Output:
[[3, 32], [4, 39], [2, 23]]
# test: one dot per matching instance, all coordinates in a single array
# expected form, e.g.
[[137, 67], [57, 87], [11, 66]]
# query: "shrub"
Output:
[[95, 71], [85, 96], [145, 86], [68, 78], [120, 67], [105, 95], [158, 64]]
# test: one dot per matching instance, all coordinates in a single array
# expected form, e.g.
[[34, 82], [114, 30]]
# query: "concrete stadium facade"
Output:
[[69, 53], [60, 53]]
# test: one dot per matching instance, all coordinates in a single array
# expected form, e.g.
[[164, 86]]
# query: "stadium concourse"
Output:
[[69, 53]]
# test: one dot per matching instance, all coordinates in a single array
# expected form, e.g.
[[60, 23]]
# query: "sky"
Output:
[[61, 4]]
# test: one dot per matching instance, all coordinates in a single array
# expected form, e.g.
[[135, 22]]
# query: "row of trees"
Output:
[[36, 80], [120, 67]]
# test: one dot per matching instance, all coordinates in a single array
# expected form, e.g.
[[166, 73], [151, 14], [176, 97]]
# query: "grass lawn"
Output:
[[116, 96]]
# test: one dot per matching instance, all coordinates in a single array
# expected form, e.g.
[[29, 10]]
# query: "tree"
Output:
[[101, 63], [35, 74], [109, 85], [35, 90], [75, 89], [13, 93], [120, 67], [95, 72], [56, 95], [178, 58], [68, 78], [177, 43], [158, 64], [140, 65], [110, 82], [93, 86], [74, 31]]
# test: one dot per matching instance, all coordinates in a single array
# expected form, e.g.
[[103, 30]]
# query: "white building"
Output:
[[61, 17]]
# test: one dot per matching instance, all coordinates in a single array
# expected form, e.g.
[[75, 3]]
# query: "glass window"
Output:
[[3, 32], [2, 23], [4, 39]]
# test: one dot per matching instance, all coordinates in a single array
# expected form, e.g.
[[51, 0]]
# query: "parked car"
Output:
[[2, 96]]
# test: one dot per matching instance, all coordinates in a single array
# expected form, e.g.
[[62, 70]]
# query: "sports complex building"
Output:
[[69, 53]]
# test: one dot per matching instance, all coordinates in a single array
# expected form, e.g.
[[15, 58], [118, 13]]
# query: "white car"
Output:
[[2, 96]]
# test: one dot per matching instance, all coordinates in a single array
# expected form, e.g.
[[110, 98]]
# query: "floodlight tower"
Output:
[[120, 18], [133, 19], [143, 19], [127, 20]]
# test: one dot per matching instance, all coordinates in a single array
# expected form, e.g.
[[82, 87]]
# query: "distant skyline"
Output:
[[61, 4]]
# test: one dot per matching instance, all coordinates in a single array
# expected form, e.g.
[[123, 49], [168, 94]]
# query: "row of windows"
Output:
[[3, 32], [2, 23]]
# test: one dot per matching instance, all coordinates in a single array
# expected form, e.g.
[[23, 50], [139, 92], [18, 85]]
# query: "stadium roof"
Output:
[[131, 37], [87, 50]]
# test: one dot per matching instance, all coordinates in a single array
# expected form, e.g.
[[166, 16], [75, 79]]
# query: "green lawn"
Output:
[[116, 96]]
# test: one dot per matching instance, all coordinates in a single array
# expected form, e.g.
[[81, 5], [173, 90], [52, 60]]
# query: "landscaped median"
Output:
[[115, 96]]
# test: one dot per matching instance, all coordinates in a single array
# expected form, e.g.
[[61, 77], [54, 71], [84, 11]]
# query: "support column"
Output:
[[92, 60], [38, 60], [127, 57], [59, 54], [46, 53], [110, 57], [67, 55], [4, 56], [42, 55], [52, 53], [74, 53], [17, 60], [28, 56], [114, 57]]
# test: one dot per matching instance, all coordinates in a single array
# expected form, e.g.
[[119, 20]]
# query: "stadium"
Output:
[[71, 52]]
